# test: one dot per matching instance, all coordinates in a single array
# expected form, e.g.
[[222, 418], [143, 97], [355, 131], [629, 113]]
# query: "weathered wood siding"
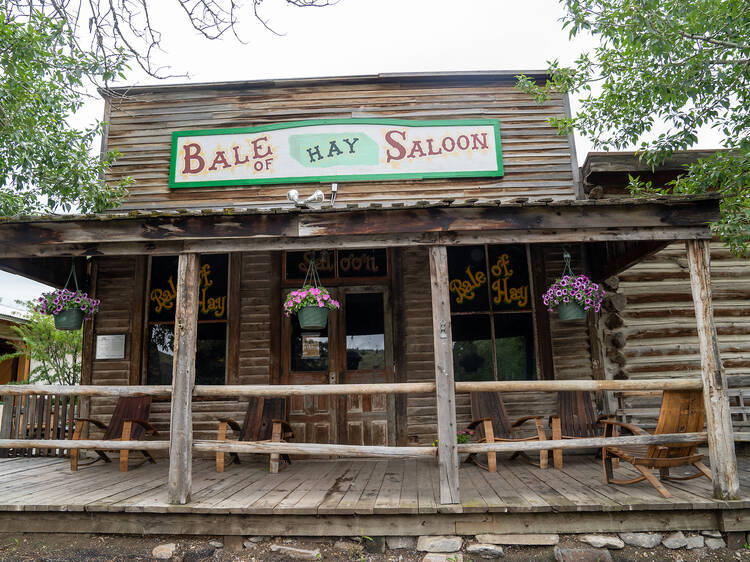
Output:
[[116, 288], [537, 161]]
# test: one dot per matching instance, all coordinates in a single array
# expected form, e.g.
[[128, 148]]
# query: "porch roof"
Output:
[[619, 231]]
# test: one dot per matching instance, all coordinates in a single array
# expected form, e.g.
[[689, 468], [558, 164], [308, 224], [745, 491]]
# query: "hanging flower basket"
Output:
[[573, 295], [311, 303], [312, 317], [69, 308]]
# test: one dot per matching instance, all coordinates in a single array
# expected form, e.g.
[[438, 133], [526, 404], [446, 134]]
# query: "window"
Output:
[[210, 355], [491, 313]]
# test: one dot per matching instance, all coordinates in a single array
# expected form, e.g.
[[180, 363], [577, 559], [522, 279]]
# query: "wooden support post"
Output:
[[718, 418], [183, 379], [445, 388]]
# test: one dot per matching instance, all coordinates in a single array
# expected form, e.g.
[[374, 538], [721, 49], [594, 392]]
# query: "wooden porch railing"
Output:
[[37, 416], [38, 439], [183, 389]]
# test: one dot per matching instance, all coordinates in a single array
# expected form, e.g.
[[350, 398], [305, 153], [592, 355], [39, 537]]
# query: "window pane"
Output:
[[509, 278], [309, 349], [161, 298], [472, 348], [297, 262], [212, 301], [160, 354], [365, 331], [210, 353], [467, 274], [514, 347]]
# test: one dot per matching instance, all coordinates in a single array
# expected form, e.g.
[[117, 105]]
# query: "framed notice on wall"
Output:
[[336, 150], [110, 346]]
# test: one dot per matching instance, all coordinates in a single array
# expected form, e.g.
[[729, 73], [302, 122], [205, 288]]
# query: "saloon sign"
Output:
[[336, 150]]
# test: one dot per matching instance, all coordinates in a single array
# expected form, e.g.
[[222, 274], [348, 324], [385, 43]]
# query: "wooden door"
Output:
[[365, 356], [355, 348], [307, 358]]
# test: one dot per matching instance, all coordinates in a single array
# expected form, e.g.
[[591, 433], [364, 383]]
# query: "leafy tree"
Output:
[[57, 352], [45, 164], [685, 64]]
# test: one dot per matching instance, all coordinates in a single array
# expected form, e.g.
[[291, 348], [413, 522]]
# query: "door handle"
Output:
[[332, 377]]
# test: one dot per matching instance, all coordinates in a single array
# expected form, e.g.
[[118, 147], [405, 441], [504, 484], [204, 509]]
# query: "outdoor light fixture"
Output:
[[317, 197]]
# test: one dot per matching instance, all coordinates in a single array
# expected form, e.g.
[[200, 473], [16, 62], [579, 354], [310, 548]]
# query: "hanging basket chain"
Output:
[[72, 274], [312, 274], [567, 269]]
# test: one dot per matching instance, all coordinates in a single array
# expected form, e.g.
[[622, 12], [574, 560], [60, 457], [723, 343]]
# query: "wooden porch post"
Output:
[[718, 418], [183, 379], [444, 383]]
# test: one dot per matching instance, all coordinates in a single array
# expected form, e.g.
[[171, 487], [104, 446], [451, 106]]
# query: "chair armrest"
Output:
[[231, 423], [634, 429], [520, 421], [146, 425], [476, 422], [97, 423]]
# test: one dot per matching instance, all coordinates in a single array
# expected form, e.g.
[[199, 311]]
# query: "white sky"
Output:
[[360, 37]]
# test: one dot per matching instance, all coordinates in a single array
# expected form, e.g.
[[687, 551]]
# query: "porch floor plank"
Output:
[[346, 487]]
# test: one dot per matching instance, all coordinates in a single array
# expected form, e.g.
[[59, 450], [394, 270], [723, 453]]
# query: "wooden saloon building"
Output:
[[447, 204]]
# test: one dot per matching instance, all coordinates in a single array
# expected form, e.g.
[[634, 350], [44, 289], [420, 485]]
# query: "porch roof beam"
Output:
[[576, 221], [393, 240]]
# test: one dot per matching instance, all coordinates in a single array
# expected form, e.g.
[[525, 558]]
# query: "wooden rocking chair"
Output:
[[575, 419], [490, 421], [129, 422], [263, 423], [682, 411]]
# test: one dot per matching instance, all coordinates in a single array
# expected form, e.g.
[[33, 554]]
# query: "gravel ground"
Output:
[[70, 547]]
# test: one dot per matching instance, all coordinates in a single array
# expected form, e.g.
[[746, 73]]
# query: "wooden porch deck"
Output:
[[353, 497]]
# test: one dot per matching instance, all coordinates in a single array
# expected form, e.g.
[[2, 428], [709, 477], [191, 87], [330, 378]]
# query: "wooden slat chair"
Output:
[[129, 422], [263, 423], [491, 423], [682, 411], [575, 419]]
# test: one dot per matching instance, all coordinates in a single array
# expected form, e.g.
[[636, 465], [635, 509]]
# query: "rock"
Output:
[[216, 544], [198, 554], [296, 553], [712, 534], [674, 540], [250, 544], [396, 543], [532, 540], [485, 550], [603, 541], [258, 539], [450, 557], [715, 544], [642, 540], [348, 546], [695, 541], [438, 543], [374, 545], [164, 551], [582, 555]]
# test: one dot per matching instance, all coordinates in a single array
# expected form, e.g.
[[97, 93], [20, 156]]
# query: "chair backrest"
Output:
[[258, 425], [129, 408], [490, 405], [682, 411], [576, 413]]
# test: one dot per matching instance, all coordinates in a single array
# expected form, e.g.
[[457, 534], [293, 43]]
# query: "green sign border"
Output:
[[176, 135]]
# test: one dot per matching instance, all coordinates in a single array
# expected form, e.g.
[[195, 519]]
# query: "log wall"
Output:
[[537, 161], [658, 338]]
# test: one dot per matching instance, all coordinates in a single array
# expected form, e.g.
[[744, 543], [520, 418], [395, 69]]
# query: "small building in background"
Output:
[[16, 369]]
